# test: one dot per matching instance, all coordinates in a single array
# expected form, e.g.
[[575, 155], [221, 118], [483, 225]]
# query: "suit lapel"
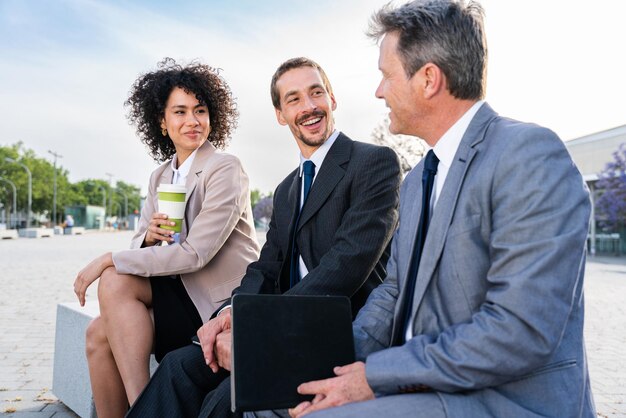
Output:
[[446, 204], [167, 175], [202, 155], [293, 198], [329, 175], [412, 198], [197, 166]]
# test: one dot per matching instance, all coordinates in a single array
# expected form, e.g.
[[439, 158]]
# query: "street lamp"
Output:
[[30, 188], [54, 196], [125, 202], [14, 199], [110, 176], [119, 209]]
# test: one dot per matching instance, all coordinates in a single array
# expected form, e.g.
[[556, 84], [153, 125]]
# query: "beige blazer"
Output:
[[217, 241]]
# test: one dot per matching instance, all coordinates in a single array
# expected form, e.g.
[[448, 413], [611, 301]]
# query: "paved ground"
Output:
[[36, 274]]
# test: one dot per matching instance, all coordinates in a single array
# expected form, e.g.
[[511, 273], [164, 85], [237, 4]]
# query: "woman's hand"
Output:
[[89, 274], [155, 233]]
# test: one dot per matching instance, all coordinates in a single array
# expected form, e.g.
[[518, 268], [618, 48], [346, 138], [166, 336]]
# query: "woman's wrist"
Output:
[[106, 260]]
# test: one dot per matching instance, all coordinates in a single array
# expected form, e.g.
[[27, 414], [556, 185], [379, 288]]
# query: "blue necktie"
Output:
[[308, 170], [428, 178]]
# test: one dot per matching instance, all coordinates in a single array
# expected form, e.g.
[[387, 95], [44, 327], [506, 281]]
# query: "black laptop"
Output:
[[281, 341]]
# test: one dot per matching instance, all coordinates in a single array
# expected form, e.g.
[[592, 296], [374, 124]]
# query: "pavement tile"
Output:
[[27, 414], [20, 400]]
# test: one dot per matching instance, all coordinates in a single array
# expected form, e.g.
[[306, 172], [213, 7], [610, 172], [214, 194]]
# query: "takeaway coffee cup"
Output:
[[172, 203]]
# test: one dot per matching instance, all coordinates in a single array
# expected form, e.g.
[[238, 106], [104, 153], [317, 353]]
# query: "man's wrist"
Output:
[[223, 310]]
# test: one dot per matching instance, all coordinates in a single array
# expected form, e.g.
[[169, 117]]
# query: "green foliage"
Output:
[[256, 196], [85, 192]]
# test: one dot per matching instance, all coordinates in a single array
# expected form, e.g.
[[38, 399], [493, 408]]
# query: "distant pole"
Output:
[[104, 198], [119, 209], [14, 200], [30, 188], [110, 176], [125, 202], [54, 196]]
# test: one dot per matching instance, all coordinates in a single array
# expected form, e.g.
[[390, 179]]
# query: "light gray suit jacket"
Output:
[[498, 299], [217, 241]]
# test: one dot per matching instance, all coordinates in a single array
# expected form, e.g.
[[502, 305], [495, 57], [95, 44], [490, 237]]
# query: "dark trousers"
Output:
[[217, 403], [183, 386]]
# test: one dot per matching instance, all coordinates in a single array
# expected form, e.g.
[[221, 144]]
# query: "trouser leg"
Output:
[[178, 386], [217, 403]]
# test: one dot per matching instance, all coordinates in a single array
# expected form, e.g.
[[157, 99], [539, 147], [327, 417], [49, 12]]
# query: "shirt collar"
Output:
[[447, 145], [320, 154], [180, 173]]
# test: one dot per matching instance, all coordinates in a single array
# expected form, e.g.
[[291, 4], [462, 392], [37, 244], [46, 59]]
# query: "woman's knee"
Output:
[[110, 284], [114, 288], [95, 337]]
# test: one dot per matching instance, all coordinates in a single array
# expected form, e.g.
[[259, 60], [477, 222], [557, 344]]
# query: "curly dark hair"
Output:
[[148, 97]]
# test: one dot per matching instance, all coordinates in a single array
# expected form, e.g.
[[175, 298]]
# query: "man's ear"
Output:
[[333, 102], [279, 117], [434, 80]]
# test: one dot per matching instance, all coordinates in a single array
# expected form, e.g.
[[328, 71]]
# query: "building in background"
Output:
[[90, 217], [591, 153]]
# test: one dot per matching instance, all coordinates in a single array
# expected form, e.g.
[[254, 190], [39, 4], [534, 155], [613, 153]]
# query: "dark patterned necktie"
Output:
[[428, 178], [308, 170]]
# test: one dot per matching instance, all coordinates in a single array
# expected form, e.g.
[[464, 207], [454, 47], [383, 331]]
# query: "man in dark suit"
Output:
[[332, 221]]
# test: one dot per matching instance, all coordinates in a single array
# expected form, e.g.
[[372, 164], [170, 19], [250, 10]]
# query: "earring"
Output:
[[164, 132]]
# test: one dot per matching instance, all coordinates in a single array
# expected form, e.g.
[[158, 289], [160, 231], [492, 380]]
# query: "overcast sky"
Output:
[[66, 67]]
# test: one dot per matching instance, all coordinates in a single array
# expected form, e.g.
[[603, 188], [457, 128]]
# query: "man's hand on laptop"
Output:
[[208, 333], [350, 385]]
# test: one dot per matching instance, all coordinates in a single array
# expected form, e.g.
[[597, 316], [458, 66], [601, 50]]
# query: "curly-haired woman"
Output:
[[154, 297]]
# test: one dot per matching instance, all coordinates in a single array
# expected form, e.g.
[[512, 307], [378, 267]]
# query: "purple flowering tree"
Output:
[[262, 211], [611, 205]]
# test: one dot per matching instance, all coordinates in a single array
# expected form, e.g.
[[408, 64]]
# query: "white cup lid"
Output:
[[172, 188]]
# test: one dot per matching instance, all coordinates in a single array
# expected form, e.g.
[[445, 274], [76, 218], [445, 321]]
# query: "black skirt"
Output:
[[176, 318]]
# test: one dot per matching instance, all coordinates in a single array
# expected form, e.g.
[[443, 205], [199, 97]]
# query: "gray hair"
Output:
[[447, 33]]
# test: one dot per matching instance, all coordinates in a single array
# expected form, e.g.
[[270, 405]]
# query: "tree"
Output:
[[255, 196], [410, 149], [42, 178], [133, 194], [89, 192], [611, 205], [262, 211], [85, 192]]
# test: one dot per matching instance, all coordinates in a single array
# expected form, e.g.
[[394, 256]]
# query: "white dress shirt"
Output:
[[180, 177], [180, 173], [445, 149], [318, 159]]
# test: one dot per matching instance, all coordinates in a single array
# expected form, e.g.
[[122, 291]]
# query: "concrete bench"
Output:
[[70, 375], [36, 232], [74, 230], [8, 233]]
